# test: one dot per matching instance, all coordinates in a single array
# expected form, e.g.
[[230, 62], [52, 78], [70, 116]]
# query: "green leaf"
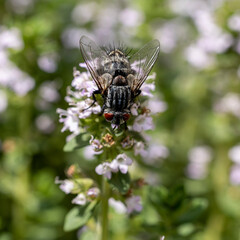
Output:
[[121, 182], [78, 216], [80, 141]]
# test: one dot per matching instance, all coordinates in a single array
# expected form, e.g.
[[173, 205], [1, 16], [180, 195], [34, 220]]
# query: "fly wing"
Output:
[[94, 58], [142, 63]]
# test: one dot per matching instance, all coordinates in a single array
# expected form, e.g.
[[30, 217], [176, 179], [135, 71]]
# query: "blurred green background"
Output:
[[194, 191]]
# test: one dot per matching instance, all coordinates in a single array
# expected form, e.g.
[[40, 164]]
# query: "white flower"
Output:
[[93, 192], [118, 206], [121, 162], [105, 169], [95, 143], [234, 154], [156, 106], [48, 91], [143, 123], [83, 83], [65, 185], [235, 174], [230, 103], [70, 120], [199, 158], [134, 204], [139, 149], [147, 88], [11, 38], [131, 17], [134, 109], [197, 57], [234, 22], [48, 62], [80, 199], [44, 123], [157, 151]]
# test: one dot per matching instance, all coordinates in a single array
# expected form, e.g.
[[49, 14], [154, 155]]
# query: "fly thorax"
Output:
[[119, 81]]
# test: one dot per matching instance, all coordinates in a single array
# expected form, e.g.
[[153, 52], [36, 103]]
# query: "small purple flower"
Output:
[[157, 151], [134, 109], [147, 88], [139, 149], [93, 192], [235, 174], [156, 106], [70, 120], [95, 143], [134, 204], [143, 123], [65, 185], [105, 169], [234, 154], [80, 199], [118, 206], [121, 162]]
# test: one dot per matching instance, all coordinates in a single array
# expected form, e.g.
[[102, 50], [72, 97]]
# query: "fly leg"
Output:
[[125, 126], [137, 93], [94, 98]]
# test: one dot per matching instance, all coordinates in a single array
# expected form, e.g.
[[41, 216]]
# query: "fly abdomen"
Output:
[[118, 97]]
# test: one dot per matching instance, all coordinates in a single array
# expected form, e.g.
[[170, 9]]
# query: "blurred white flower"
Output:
[[197, 57], [95, 144], [199, 158], [65, 185], [11, 38], [93, 192], [10, 75], [234, 22], [20, 6], [105, 169], [48, 91], [139, 149], [235, 174], [80, 199], [44, 123], [84, 12], [3, 101], [134, 109], [121, 162], [157, 151], [118, 206], [48, 62], [156, 106], [143, 123], [134, 204], [147, 88], [200, 154], [170, 33], [234, 154], [70, 36], [230, 103], [131, 17]]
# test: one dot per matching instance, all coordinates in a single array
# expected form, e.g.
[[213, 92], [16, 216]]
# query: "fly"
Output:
[[118, 77]]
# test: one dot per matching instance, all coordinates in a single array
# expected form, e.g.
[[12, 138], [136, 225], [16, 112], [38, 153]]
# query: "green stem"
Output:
[[104, 210]]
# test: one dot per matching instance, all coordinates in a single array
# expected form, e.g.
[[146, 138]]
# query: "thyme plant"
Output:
[[111, 153]]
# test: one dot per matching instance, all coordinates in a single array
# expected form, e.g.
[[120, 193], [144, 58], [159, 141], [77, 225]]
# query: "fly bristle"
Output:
[[114, 47]]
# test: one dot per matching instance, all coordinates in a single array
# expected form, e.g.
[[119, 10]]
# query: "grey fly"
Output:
[[118, 77]]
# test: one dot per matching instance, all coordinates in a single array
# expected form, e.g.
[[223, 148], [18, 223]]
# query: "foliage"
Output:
[[190, 188]]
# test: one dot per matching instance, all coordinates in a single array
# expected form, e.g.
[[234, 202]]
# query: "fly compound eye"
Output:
[[108, 116], [126, 116]]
